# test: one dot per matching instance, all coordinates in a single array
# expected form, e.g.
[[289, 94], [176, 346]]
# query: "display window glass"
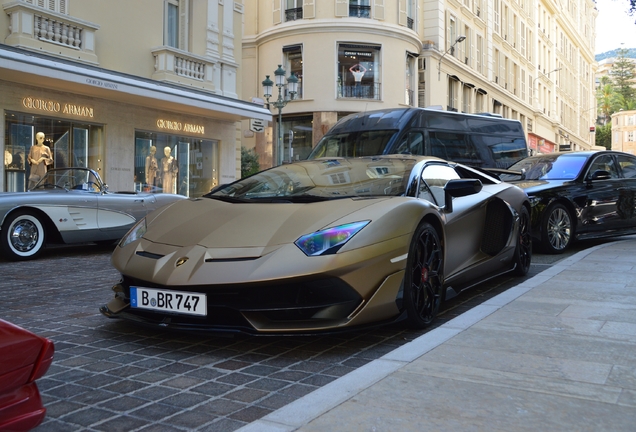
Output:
[[297, 136], [175, 164], [71, 144], [359, 73]]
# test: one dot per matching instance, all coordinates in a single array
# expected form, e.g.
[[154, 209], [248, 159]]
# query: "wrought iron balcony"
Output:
[[359, 11], [293, 14]]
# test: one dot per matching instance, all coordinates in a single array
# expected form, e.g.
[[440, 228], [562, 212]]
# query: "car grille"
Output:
[[299, 300]]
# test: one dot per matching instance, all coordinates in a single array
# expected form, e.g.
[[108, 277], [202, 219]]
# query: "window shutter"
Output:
[[402, 13], [378, 10], [183, 25], [309, 9], [63, 4], [342, 8], [276, 12]]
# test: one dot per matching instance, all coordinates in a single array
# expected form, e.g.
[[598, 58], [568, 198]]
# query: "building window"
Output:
[[409, 97], [359, 71], [359, 8], [467, 95], [52, 5], [294, 64], [452, 94], [175, 164], [72, 144], [171, 24], [410, 14], [294, 10]]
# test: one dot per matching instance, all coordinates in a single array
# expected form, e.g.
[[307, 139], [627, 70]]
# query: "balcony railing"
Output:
[[182, 67], [359, 11], [360, 91], [293, 14], [36, 28]]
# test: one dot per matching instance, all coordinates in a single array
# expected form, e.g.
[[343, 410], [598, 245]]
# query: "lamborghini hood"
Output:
[[216, 224]]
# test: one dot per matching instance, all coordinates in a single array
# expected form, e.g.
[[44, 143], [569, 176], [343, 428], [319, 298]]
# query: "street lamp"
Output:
[[280, 102], [545, 75], [460, 38]]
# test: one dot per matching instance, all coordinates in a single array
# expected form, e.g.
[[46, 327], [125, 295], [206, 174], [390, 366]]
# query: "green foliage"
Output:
[[249, 162], [617, 91], [604, 136], [623, 74]]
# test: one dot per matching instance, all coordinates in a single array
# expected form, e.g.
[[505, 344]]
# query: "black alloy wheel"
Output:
[[423, 281], [23, 236], [557, 231], [523, 252]]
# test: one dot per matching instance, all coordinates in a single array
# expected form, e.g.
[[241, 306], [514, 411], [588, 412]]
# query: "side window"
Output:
[[454, 147], [605, 163], [628, 165], [435, 177], [412, 143]]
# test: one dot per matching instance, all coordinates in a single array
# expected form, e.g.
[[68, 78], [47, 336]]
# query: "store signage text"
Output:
[[56, 107], [180, 127]]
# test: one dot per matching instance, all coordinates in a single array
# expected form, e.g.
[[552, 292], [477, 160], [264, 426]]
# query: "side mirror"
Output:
[[600, 175], [459, 188]]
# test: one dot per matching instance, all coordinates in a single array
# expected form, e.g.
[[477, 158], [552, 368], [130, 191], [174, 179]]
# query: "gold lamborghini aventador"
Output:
[[322, 245]]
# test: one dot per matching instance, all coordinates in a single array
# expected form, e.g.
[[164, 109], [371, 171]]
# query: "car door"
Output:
[[600, 211], [463, 228], [626, 207], [119, 211]]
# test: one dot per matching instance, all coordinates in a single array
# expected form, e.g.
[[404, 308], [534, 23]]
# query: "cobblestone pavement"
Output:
[[110, 375]]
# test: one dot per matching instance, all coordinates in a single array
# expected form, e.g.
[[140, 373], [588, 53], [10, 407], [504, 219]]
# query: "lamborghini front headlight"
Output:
[[330, 240]]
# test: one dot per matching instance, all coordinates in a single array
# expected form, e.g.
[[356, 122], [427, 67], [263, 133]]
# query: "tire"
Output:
[[23, 236], [423, 281], [523, 252], [557, 231]]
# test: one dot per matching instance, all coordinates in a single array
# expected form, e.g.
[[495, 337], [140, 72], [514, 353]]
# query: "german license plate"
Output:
[[181, 302]]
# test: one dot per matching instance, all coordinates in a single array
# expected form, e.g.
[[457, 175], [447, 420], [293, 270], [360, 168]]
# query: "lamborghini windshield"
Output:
[[320, 180]]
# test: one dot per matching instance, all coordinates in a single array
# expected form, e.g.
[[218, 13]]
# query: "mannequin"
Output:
[[169, 171], [39, 158], [151, 166]]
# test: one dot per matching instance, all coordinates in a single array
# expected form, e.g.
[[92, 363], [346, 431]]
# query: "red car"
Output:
[[24, 357]]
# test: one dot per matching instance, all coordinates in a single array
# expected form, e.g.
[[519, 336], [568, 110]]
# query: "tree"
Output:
[[604, 136], [623, 74], [249, 162]]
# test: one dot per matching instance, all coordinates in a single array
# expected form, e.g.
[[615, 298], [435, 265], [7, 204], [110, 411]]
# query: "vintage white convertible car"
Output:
[[67, 206]]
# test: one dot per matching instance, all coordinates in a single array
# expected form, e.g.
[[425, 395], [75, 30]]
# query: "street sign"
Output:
[[257, 125]]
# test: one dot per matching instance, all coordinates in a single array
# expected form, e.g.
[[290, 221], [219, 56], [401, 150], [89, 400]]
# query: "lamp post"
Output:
[[280, 102], [460, 38], [545, 75]]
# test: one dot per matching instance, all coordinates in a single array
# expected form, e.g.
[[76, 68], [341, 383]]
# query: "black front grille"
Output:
[[278, 301]]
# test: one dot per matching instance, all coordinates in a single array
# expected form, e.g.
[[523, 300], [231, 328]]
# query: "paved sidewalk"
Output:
[[556, 353]]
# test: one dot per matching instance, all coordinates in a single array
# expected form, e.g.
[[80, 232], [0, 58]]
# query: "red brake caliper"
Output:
[[424, 275]]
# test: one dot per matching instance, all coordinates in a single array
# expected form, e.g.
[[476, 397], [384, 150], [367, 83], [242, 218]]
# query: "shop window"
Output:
[[297, 136], [72, 145], [175, 164], [294, 64], [358, 71]]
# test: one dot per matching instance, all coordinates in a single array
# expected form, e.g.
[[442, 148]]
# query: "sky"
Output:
[[614, 26]]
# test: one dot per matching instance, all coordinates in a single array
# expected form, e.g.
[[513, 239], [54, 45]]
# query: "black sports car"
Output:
[[577, 195]]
